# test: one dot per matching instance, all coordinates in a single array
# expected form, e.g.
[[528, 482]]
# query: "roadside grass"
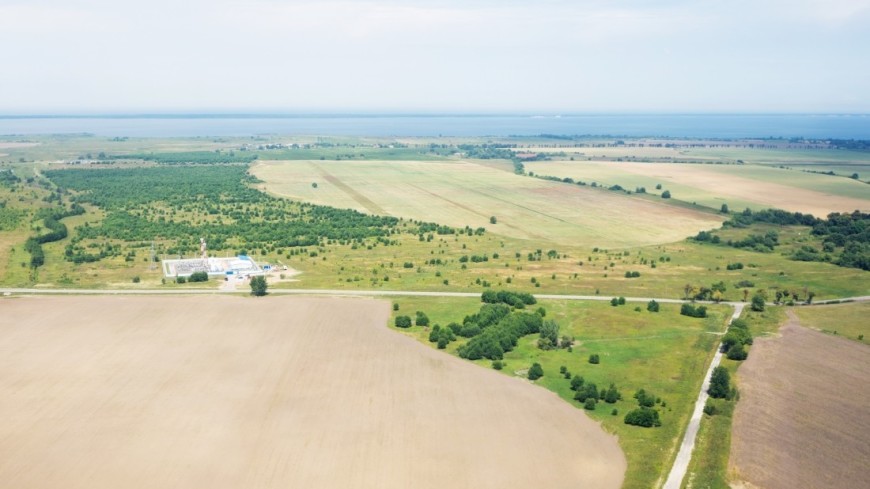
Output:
[[848, 320], [664, 353]]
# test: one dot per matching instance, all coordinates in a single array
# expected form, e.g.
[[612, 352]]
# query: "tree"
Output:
[[258, 286], [612, 394], [536, 371], [590, 403], [493, 220], [666, 194], [403, 321], [720, 383], [576, 383], [198, 277], [652, 306], [594, 359], [549, 335], [757, 303], [724, 209]]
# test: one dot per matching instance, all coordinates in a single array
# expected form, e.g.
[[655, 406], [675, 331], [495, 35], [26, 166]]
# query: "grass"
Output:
[[663, 353], [466, 193], [846, 320]]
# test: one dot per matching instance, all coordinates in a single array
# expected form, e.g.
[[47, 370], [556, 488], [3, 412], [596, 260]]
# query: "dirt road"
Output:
[[232, 392]]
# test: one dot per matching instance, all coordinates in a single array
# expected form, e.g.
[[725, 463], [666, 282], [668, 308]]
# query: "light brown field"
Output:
[[14, 145], [231, 392], [736, 185], [802, 417], [465, 193]]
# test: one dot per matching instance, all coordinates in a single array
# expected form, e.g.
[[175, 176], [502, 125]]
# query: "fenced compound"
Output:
[[214, 266]]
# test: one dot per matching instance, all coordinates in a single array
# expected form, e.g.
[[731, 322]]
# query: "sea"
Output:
[[701, 126]]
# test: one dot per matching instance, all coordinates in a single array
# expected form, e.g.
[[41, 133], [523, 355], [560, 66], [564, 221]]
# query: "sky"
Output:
[[452, 56]]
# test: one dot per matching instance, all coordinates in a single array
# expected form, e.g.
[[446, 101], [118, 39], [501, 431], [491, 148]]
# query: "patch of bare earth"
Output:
[[231, 392], [802, 417]]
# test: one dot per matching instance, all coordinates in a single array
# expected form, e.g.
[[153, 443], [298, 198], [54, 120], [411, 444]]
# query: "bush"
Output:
[[136, 279], [652, 306], [737, 352], [198, 277], [422, 319], [757, 303], [645, 399], [395, 306], [180, 280], [497, 364], [590, 403], [536, 371], [666, 194], [403, 322], [692, 311], [576, 382], [720, 383], [644, 416], [594, 359], [586, 391]]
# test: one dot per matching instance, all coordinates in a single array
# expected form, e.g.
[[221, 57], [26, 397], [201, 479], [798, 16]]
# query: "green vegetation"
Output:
[[258, 286], [191, 157]]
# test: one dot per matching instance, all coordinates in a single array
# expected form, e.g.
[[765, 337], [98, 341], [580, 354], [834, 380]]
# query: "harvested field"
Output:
[[464, 193], [155, 392], [737, 185], [802, 417]]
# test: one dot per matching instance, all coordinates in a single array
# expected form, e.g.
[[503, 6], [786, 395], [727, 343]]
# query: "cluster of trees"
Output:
[[441, 336], [588, 393], [518, 300], [182, 203], [191, 157], [259, 286], [617, 301], [198, 277], [736, 339], [549, 337], [7, 178], [632, 274], [645, 415], [715, 292], [694, 311], [495, 340], [850, 233], [57, 231]]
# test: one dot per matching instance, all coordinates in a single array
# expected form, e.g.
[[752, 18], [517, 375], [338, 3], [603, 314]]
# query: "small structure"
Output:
[[242, 265]]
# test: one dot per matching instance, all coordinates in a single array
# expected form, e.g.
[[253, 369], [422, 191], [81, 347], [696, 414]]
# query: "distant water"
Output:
[[669, 125]]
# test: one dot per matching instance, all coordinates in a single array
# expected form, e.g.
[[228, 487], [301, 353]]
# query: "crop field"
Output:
[[464, 193], [739, 186], [141, 392], [805, 393], [664, 353]]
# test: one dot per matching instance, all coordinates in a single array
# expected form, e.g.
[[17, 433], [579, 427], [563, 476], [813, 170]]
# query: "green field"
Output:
[[663, 353], [467, 193], [847, 320]]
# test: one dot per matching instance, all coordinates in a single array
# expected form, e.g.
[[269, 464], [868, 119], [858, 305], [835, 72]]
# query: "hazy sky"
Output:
[[435, 55]]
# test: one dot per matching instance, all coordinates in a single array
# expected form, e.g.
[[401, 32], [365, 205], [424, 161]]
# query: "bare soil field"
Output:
[[464, 193], [232, 392], [735, 185], [802, 417]]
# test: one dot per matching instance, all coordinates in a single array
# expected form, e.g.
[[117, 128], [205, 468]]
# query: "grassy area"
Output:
[[847, 320], [663, 353]]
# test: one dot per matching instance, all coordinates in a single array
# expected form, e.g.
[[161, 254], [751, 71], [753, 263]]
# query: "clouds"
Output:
[[802, 55]]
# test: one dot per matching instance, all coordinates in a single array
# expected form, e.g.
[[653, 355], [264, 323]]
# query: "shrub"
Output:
[[737, 352], [536, 371], [422, 319], [395, 306], [497, 364], [719, 383], [136, 279], [645, 399], [692, 311], [757, 303], [652, 306], [576, 382], [198, 277], [644, 416], [180, 280], [403, 322], [666, 194], [594, 359], [590, 403]]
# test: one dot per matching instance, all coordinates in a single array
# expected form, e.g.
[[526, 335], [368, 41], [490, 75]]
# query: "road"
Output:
[[684, 456]]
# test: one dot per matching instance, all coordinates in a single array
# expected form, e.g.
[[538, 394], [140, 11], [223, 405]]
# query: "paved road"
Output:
[[684, 456]]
